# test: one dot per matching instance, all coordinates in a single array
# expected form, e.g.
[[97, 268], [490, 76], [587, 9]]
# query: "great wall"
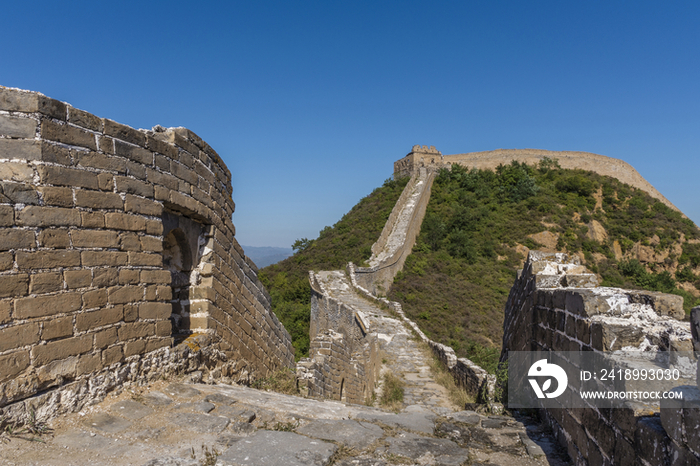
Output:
[[129, 315]]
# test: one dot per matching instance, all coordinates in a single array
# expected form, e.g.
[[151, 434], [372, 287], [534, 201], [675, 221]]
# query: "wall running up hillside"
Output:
[[398, 236], [113, 243], [431, 158]]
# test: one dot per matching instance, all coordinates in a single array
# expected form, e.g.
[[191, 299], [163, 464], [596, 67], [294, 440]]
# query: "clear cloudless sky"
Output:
[[309, 103]]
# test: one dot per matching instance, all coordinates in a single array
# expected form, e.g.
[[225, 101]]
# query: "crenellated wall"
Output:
[[556, 305], [116, 243]]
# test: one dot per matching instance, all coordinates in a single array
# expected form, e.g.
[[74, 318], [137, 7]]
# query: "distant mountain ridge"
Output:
[[266, 255]]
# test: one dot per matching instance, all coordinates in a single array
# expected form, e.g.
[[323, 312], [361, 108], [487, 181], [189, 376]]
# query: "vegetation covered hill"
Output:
[[479, 225], [350, 239]]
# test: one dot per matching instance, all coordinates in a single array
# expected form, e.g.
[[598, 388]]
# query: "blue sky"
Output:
[[310, 103]]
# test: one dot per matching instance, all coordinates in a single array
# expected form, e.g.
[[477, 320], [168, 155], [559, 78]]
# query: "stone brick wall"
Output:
[[86, 207], [555, 304], [378, 278], [343, 362], [430, 158]]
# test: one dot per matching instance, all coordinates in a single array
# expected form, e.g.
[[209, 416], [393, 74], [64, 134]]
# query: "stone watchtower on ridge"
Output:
[[420, 156]]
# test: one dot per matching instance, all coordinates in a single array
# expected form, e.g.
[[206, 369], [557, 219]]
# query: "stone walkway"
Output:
[[178, 424]]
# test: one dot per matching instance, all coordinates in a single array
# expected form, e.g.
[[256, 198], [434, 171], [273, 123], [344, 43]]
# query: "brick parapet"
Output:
[[555, 305], [82, 279]]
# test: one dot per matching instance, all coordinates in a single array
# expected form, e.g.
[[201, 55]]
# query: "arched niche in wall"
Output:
[[182, 238]]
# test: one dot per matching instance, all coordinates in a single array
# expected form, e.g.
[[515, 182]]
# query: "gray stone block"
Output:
[[131, 409], [444, 452], [15, 127], [278, 449], [355, 434]]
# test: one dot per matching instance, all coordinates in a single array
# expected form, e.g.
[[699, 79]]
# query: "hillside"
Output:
[[350, 239], [480, 224]]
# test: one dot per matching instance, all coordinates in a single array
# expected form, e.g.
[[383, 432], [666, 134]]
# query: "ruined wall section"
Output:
[[343, 362], [608, 166], [83, 285], [556, 305]]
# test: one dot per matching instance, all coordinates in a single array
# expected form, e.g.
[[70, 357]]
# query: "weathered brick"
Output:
[[14, 100], [162, 193], [128, 277], [37, 216], [95, 239], [153, 344], [62, 197], [78, 278], [5, 310], [56, 238], [164, 328], [112, 355], [94, 299], [51, 107], [123, 132], [98, 318], [62, 176], [145, 259], [155, 310], [125, 294], [98, 200], [142, 206], [96, 160], [16, 239], [134, 347], [13, 171], [119, 221], [45, 282], [154, 227], [47, 259], [103, 258], [7, 215], [14, 285], [18, 336], [155, 144], [164, 293], [131, 312], [84, 119], [18, 193], [105, 144], [22, 149], [106, 337], [7, 260], [166, 180], [133, 186], [18, 127], [41, 306], [133, 330], [92, 219], [67, 134], [136, 170], [54, 153], [129, 242], [105, 181], [57, 328], [89, 363], [105, 277], [151, 244], [135, 153], [156, 276], [60, 349], [12, 364]]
